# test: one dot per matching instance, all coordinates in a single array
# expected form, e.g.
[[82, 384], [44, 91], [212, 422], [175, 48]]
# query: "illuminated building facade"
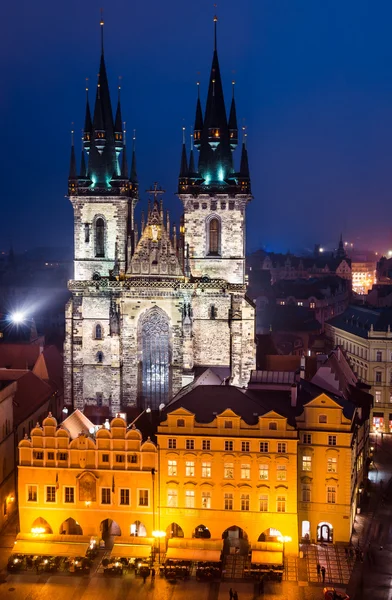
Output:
[[148, 307], [365, 335]]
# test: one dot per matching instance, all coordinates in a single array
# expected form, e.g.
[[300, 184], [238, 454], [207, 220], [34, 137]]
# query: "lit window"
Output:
[[143, 498], [331, 494], [124, 497], [300, 303], [32, 493], [306, 463], [172, 468], [228, 501], [69, 495], [50, 493], [282, 447], [172, 498], [263, 503], [245, 471], [105, 495], [322, 418], [377, 395], [228, 471], [172, 443], [206, 469], [332, 440], [189, 468], [332, 465], [307, 438], [190, 444], [245, 501], [206, 445], [281, 473], [263, 472], [190, 498], [206, 499], [305, 492], [264, 447], [312, 305], [281, 504], [229, 446], [245, 446]]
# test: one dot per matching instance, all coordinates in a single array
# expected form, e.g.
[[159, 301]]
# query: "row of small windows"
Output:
[[107, 495], [332, 464], [228, 470], [332, 439], [229, 446], [228, 501], [306, 493], [63, 456]]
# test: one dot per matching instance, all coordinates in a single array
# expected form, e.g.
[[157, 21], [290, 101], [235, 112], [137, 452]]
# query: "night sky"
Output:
[[313, 86]]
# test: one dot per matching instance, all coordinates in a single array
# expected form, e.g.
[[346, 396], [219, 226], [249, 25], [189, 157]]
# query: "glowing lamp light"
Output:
[[284, 539], [321, 249], [220, 174], [37, 530], [148, 409], [18, 317], [159, 534], [65, 410], [87, 503]]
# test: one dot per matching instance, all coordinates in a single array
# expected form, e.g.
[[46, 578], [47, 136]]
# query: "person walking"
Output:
[[235, 595], [323, 573], [261, 585], [318, 571], [231, 593], [153, 573]]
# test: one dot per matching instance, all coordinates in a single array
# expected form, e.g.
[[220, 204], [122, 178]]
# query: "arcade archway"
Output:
[[201, 531], [109, 529], [138, 529], [41, 526], [174, 531], [325, 532], [70, 527], [270, 535], [235, 541]]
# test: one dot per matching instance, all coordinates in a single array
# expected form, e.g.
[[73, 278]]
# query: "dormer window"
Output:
[[322, 418], [228, 424], [273, 426], [180, 423]]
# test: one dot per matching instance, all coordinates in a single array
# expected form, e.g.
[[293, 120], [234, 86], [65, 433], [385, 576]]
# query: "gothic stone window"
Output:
[[155, 357], [99, 238], [98, 332], [213, 237]]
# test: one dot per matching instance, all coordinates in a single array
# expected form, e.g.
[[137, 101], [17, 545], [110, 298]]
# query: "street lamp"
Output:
[[158, 535]]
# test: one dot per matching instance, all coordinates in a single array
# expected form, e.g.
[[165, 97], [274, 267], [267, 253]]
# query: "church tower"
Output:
[[215, 195], [102, 194]]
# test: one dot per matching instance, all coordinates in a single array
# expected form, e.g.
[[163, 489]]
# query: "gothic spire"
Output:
[[88, 125], [72, 163], [191, 169], [118, 131], [233, 127], [184, 161], [133, 177], [198, 120], [124, 162], [82, 166], [244, 165]]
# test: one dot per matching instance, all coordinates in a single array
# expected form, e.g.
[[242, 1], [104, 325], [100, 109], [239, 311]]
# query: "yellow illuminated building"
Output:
[[101, 487], [233, 478], [325, 513]]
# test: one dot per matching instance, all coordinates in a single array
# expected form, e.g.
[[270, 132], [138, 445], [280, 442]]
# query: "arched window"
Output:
[[98, 332], [214, 237], [100, 357], [155, 351], [99, 238]]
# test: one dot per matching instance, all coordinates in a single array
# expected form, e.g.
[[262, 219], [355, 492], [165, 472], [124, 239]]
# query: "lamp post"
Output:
[[158, 535]]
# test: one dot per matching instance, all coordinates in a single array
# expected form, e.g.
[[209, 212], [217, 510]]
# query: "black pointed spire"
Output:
[[72, 164], [118, 132], [341, 252], [198, 128], [83, 173], [88, 125], [244, 175], [184, 161], [233, 127], [124, 162], [133, 177], [191, 169]]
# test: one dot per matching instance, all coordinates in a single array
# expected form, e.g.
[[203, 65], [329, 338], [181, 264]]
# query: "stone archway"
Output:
[[109, 529], [138, 529], [270, 535], [325, 532], [70, 527], [40, 525], [202, 532], [235, 540], [174, 531]]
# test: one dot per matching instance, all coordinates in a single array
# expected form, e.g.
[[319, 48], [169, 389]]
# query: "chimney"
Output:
[[294, 394]]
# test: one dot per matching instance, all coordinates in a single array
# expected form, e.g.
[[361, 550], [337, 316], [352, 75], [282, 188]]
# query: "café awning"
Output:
[[263, 557], [42, 548], [131, 551], [193, 554]]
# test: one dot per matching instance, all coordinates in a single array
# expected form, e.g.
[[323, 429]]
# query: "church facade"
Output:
[[151, 307]]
